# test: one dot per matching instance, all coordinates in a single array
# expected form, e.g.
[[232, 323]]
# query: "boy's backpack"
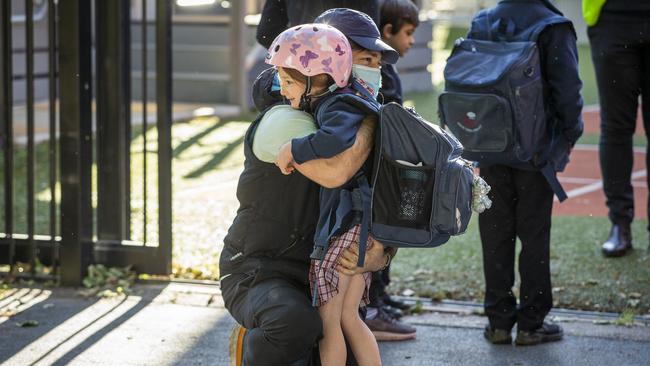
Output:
[[493, 100], [420, 191]]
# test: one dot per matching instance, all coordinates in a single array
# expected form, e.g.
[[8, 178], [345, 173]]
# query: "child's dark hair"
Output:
[[397, 13]]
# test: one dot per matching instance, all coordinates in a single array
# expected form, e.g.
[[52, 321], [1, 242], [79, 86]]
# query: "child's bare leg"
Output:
[[363, 343], [332, 346]]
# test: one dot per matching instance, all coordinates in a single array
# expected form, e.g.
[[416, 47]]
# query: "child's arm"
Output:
[[338, 124], [336, 171]]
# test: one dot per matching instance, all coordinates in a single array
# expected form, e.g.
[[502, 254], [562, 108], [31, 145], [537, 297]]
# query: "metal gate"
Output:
[[70, 196]]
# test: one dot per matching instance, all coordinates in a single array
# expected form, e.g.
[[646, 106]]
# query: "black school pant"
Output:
[[620, 50], [380, 280], [522, 202], [283, 328]]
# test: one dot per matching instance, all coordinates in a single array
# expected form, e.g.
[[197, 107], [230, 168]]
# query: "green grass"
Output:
[[593, 138], [20, 197], [582, 278]]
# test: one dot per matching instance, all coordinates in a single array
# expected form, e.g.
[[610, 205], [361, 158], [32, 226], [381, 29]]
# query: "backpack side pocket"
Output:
[[453, 204]]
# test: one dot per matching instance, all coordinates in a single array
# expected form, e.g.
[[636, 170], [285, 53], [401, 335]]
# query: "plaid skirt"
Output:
[[326, 277]]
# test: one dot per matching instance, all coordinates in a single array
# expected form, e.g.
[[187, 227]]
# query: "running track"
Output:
[[583, 183]]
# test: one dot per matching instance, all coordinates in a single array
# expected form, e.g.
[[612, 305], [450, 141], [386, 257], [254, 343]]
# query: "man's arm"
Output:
[[336, 171]]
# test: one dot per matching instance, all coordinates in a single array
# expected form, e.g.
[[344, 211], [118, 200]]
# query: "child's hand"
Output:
[[284, 161]]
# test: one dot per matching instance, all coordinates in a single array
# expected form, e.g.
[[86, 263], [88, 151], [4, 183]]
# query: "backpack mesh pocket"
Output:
[[403, 195]]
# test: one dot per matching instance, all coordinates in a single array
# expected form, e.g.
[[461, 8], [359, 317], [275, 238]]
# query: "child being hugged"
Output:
[[314, 63]]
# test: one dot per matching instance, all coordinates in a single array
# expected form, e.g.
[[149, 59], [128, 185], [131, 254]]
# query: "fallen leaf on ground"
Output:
[[28, 324]]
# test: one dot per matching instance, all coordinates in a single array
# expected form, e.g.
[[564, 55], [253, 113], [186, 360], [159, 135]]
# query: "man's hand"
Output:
[[376, 259], [284, 161]]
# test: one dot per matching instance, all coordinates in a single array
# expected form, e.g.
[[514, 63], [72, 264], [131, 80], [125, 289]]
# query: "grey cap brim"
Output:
[[388, 54]]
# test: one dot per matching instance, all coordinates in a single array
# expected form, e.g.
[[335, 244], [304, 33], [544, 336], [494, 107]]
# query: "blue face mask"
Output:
[[370, 76]]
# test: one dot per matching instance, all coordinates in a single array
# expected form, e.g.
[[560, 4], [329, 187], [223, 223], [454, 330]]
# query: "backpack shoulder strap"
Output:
[[549, 173], [349, 97], [479, 28]]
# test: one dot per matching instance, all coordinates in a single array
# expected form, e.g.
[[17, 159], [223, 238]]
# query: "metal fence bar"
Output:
[[52, 46], [75, 76], [6, 122], [164, 116], [238, 40], [145, 70], [29, 72], [113, 118]]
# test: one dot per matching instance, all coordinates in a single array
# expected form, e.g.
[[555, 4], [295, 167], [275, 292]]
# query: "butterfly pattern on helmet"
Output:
[[307, 57]]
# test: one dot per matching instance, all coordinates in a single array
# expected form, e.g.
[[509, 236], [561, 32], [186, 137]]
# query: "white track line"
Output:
[[576, 180], [596, 186], [583, 147]]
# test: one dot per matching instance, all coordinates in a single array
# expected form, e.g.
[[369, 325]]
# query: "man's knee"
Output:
[[301, 326], [288, 319]]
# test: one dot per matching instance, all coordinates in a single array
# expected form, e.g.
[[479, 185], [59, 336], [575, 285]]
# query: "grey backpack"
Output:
[[420, 190], [421, 187]]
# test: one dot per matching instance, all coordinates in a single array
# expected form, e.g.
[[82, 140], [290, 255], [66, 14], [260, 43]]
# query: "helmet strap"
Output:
[[305, 99], [330, 89]]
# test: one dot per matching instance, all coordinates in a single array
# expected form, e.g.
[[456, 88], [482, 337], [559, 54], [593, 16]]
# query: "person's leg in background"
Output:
[[618, 75], [534, 208], [376, 292], [497, 231], [389, 300], [645, 103]]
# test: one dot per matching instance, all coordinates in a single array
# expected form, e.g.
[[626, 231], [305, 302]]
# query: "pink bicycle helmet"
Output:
[[313, 49]]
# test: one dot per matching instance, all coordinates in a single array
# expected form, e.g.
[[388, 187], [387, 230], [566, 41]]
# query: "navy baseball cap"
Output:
[[360, 28]]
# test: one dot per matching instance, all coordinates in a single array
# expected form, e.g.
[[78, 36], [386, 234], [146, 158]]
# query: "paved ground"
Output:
[[180, 324]]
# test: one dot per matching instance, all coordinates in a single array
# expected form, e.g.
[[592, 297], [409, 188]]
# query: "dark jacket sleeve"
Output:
[[338, 126], [273, 21], [560, 61], [391, 86]]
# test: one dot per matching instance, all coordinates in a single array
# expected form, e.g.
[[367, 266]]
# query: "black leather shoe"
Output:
[[619, 241], [547, 332], [396, 303], [394, 313], [497, 336]]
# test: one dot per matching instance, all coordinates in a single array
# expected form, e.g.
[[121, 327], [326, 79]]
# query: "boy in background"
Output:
[[398, 21], [522, 197]]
